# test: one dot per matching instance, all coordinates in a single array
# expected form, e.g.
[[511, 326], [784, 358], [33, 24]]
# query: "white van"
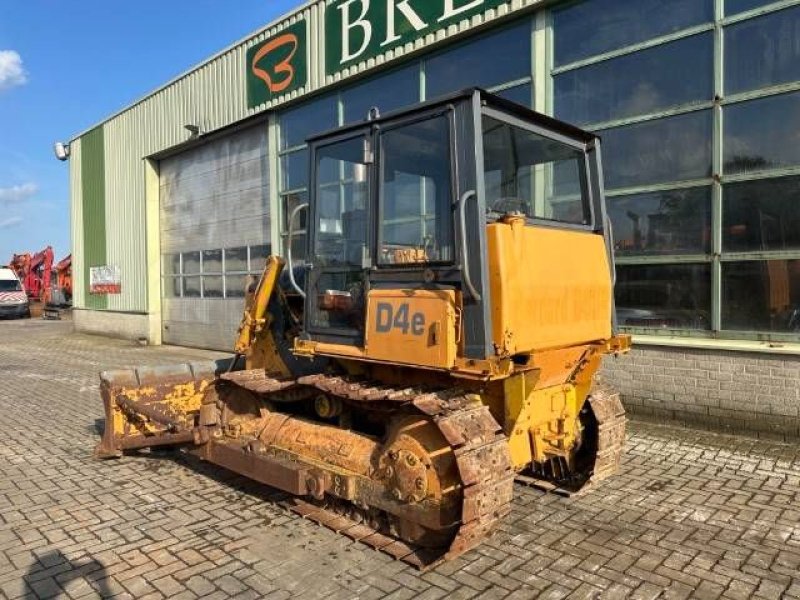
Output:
[[13, 299]]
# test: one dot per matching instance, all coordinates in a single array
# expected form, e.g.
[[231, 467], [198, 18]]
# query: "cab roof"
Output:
[[487, 99]]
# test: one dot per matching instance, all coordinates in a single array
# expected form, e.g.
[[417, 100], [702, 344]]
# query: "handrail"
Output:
[[462, 203], [289, 240]]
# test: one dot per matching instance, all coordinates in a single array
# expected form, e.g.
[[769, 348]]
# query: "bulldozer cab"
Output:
[[425, 225]]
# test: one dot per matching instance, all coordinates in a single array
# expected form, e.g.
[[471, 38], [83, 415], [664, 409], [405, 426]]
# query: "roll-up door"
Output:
[[215, 236]]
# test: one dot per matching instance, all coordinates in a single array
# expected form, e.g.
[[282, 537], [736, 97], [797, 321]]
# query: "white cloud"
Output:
[[18, 193], [12, 72], [10, 222]]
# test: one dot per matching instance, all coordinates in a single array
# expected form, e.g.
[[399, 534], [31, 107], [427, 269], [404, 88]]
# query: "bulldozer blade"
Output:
[[153, 406]]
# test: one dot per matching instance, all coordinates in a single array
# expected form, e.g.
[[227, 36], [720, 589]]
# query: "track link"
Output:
[[479, 445]]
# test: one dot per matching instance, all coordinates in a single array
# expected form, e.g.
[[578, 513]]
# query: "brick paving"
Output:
[[692, 514]]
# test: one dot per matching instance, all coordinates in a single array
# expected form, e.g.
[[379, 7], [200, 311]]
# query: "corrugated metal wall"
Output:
[[76, 221], [213, 197], [212, 96]]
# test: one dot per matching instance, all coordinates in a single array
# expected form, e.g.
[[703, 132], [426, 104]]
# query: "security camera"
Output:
[[61, 150], [195, 130]]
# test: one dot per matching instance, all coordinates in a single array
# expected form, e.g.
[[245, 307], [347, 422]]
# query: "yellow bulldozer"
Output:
[[439, 340]]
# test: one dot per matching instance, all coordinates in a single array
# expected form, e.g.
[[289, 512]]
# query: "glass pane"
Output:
[[299, 248], [528, 173], [522, 94], [762, 134], [341, 210], [212, 287], [340, 301], [258, 257], [674, 222], [761, 296], [298, 124], [387, 93], [290, 202], [191, 263], [762, 52], [294, 170], [235, 285], [212, 261], [733, 7], [664, 296], [191, 287], [671, 149], [171, 287], [236, 259], [761, 215], [171, 264], [477, 64], [598, 26], [416, 193], [669, 75]]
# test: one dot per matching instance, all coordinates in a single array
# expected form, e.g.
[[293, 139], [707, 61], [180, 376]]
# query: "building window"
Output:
[[213, 274], [702, 173], [659, 151], [662, 223], [664, 296], [594, 27], [762, 215], [733, 7], [763, 51], [761, 296], [386, 92], [669, 75], [487, 62], [295, 126], [762, 134]]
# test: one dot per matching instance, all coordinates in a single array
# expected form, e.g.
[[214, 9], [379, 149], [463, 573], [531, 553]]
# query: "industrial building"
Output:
[[177, 199]]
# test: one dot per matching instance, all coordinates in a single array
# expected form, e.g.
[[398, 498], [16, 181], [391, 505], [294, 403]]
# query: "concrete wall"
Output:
[[736, 392], [120, 325]]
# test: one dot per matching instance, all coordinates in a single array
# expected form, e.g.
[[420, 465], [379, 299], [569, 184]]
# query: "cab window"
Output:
[[416, 194], [533, 175]]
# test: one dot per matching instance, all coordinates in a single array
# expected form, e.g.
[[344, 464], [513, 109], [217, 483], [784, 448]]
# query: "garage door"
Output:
[[215, 236]]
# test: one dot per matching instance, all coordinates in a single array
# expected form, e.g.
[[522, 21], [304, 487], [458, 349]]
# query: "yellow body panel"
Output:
[[539, 423], [414, 327], [550, 287]]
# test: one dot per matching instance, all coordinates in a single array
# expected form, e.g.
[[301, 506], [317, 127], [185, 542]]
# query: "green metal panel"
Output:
[[93, 177], [278, 65]]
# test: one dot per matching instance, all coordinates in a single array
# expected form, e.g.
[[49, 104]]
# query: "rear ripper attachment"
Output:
[[603, 421], [422, 475]]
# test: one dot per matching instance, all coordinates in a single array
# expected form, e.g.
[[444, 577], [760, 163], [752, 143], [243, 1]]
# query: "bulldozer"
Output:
[[439, 340]]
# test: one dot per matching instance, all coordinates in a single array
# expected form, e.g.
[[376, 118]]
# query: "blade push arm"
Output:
[[255, 311]]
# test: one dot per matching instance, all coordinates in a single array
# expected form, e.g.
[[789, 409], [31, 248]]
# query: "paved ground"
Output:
[[690, 515]]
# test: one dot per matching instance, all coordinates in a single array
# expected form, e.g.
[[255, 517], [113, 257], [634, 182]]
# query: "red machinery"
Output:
[[35, 272], [60, 291]]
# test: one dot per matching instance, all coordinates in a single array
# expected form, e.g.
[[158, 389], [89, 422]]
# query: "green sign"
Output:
[[277, 65], [357, 30]]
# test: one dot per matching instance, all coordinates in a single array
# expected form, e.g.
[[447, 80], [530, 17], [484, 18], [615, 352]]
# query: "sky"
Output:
[[65, 66]]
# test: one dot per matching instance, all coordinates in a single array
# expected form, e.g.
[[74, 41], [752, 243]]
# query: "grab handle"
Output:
[[289, 240], [462, 213]]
